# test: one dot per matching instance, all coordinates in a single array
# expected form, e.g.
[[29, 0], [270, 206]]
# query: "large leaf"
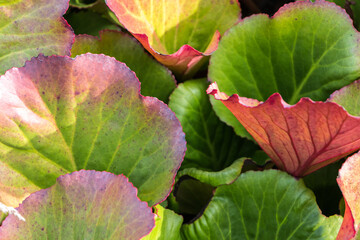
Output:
[[30, 27], [349, 183], [211, 145], [82, 205], [156, 80], [305, 50], [177, 33], [301, 138], [58, 115], [262, 205]]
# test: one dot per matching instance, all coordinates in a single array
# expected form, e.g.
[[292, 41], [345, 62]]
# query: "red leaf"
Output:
[[301, 138]]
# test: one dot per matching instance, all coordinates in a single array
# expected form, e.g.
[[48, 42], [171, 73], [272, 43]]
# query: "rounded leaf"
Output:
[[82, 205], [59, 115]]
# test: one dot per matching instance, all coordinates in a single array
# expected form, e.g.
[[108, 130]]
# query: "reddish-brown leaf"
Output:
[[300, 138]]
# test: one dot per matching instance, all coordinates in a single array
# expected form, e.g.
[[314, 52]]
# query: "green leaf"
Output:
[[155, 79], [82, 205], [305, 50], [179, 34], [28, 28], [225, 176], [59, 115], [262, 205], [167, 225], [211, 144], [88, 22]]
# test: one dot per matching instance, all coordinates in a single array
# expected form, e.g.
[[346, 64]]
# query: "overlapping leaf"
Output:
[[82, 205], [58, 115], [349, 183], [177, 33], [211, 145], [263, 205], [301, 138], [30, 27], [156, 80], [305, 50]]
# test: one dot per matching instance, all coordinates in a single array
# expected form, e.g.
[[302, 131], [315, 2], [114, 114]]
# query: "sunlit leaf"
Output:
[[30, 27], [82, 205], [178, 34], [300, 138], [59, 115]]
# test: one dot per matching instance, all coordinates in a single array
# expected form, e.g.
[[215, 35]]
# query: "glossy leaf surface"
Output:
[[82, 205], [349, 183], [262, 205], [156, 80], [59, 115], [211, 145], [305, 50], [177, 33], [300, 138], [30, 27]]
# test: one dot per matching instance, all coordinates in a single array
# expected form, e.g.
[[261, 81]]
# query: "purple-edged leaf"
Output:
[[300, 138], [30, 27], [179, 34], [82, 205], [59, 115], [156, 80], [349, 183]]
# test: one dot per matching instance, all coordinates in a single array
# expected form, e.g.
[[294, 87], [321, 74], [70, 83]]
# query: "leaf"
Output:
[[349, 183], [348, 97], [225, 176], [82, 205], [211, 145], [300, 139], [179, 34], [305, 50], [30, 27], [59, 115], [156, 80], [167, 225], [261, 205]]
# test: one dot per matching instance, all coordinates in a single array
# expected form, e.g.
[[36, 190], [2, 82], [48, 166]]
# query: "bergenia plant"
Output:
[[179, 120]]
